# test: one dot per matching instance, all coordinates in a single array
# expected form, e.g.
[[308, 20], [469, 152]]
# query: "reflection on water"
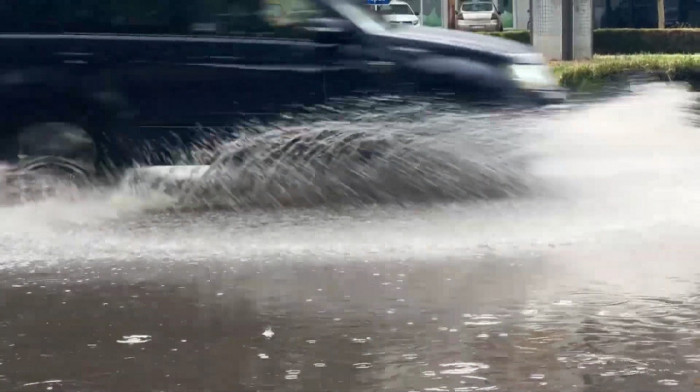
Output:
[[480, 325], [591, 285]]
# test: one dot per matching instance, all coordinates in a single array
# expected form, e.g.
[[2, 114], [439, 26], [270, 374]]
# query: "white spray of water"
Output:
[[623, 166]]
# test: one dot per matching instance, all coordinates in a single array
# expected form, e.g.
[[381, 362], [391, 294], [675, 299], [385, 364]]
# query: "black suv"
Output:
[[96, 84]]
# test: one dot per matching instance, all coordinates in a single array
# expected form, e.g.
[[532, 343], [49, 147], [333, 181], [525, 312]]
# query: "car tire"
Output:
[[58, 149]]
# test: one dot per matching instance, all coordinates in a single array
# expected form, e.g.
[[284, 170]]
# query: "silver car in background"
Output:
[[479, 16]]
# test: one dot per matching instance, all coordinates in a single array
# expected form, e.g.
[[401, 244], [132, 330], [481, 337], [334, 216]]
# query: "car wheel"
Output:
[[58, 149]]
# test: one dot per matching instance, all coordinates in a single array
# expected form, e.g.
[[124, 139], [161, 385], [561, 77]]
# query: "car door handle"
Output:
[[380, 64], [75, 57]]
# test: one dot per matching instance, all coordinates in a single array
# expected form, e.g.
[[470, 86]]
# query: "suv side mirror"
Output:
[[330, 30]]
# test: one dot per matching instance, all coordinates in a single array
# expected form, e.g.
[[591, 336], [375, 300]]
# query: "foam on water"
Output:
[[625, 169]]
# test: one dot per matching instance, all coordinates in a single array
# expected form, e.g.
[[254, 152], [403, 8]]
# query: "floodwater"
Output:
[[572, 267]]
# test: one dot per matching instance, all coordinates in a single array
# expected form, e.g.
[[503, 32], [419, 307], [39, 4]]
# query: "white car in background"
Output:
[[398, 12], [479, 15]]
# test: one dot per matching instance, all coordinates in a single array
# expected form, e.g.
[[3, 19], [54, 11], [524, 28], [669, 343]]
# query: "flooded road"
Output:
[[583, 277]]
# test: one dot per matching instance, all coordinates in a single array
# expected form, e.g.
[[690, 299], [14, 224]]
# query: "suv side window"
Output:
[[94, 16], [279, 18], [182, 17]]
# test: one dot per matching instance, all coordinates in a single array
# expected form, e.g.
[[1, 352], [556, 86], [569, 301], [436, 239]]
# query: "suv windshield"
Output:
[[396, 9], [477, 7]]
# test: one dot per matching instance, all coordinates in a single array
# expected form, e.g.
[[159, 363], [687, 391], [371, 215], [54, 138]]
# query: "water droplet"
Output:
[[319, 365], [391, 311], [263, 356], [362, 365], [359, 340], [268, 333], [668, 382], [564, 302], [481, 320], [453, 330], [311, 341], [537, 376], [429, 373], [480, 323], [291, 377], [337, 319], [219, 294], [134, 339], [482, 336], [463, 367]]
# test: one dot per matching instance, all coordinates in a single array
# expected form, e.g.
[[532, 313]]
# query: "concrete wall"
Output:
[[547, 26], [520, 13]]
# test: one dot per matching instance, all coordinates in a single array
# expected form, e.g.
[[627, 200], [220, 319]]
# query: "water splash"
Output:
[[625, 165], [324, 167]]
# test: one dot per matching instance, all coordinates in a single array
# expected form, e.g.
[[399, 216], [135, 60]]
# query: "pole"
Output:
[[662, 13], [421, 12], [567, 27], [451, 11]]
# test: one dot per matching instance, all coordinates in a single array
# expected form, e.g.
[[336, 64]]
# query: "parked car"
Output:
[[100, 86], [399, 12], [479, 16]]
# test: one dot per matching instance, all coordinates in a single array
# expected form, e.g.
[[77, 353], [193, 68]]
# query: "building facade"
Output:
[[644, 14]]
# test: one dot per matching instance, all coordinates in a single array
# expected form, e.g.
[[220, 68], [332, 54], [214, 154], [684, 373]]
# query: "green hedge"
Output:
[[631, 41], [579, 74]]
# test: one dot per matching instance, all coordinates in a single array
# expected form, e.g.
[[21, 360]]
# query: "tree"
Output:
[[662, 13]]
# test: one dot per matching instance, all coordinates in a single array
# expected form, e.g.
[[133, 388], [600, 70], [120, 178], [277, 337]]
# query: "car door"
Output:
[[203, 66], [230, 60]]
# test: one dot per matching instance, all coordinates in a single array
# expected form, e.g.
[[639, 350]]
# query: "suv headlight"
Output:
[[532, 76]]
